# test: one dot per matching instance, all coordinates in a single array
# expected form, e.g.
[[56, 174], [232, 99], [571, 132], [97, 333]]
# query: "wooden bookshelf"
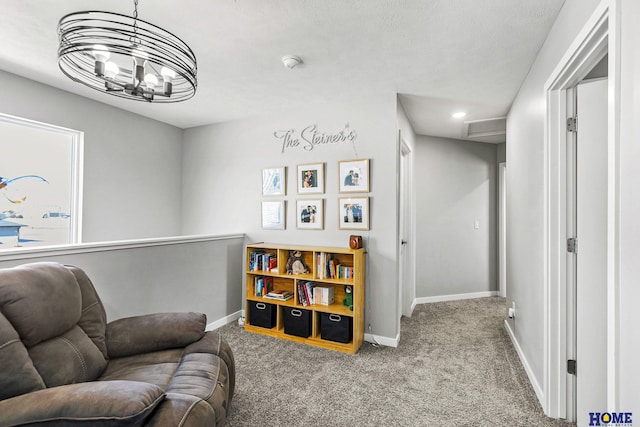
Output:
[[325, 264]]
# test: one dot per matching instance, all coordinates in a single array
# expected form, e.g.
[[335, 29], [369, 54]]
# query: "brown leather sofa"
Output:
[[62, 364]]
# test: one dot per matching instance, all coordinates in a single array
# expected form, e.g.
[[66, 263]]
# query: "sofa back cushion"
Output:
[[17, 373], [44, 303], [68, 359], [41, 300], [93, 320]]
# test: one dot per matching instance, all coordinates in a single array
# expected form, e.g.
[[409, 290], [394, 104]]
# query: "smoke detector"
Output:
[[291, 61]]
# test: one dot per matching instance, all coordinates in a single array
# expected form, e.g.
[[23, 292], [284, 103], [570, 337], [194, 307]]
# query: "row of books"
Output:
[[263, 261], [263, 285], [329, 268], [310, 293], [305, 293]]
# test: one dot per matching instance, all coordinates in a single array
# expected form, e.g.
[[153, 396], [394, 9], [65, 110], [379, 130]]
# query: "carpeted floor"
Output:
[[454, 366]]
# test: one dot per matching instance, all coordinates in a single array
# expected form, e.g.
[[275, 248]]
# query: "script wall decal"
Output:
[[310, 137]]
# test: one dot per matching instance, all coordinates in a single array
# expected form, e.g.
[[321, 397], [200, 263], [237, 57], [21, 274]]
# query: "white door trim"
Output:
[[407, 285], [502, 229], [598, 37]]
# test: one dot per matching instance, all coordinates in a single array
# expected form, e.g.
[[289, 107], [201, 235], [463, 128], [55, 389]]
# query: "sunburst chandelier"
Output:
[[125, 56]]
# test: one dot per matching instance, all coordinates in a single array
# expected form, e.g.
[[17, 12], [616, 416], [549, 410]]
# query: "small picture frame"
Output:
[[310, 214], [273, 215], [310, 178], [353, 213], [354, 176], [274, 181]]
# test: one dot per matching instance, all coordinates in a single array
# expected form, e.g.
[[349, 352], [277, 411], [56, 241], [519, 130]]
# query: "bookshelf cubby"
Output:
[[332, 267]]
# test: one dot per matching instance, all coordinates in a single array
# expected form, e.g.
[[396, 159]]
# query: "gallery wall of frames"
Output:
[[353, 202]]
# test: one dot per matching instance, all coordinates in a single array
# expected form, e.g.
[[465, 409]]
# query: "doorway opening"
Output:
[[502, 229], [598, 38], [406, 251]]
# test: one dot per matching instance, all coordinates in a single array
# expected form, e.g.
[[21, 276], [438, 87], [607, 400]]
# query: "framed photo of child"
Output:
[[354, 176]]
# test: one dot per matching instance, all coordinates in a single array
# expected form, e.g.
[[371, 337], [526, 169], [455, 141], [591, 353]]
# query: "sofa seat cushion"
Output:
[[95, 404]]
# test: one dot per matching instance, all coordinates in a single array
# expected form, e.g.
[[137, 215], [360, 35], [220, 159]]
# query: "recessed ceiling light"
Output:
[[459, 115]]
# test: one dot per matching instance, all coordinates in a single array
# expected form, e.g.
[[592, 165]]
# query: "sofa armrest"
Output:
[[97, 403], [153, 332]]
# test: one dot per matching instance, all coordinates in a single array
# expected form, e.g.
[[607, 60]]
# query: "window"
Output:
[[40, 184]]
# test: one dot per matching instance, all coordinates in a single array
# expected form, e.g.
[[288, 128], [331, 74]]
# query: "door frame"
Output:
[[599, 36], [502, 229], [406, 285]]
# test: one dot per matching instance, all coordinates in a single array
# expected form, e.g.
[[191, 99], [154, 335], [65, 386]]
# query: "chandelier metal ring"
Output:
[[126, 57]]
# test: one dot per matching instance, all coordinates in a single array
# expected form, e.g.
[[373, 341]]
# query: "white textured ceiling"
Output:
[[440, 55]]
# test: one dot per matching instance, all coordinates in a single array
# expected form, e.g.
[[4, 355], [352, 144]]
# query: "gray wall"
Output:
[[456, 184], [132, 165], [139, 278], [223, 163], [501, 152]]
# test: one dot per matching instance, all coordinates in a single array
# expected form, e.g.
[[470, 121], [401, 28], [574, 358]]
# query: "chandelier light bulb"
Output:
[[151, 80], [167, 74], [111, 70], [101, 53]]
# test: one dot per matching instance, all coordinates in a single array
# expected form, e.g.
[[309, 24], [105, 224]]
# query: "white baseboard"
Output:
[[532, 379], [454, 297], [225, 320], [413, 305], [386, 341]]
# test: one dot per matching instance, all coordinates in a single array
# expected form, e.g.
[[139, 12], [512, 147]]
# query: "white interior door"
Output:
[[406, 268], [591, 256]]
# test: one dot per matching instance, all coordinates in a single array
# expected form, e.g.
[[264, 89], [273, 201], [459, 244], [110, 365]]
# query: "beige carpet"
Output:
[[454, 366]]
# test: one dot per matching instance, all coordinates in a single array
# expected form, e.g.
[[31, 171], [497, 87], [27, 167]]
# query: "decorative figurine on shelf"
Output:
[[348, 297], [295, 264]]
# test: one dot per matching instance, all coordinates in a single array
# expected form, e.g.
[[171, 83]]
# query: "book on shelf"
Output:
[[263, 261], [323, 295], [305, 293], [344, 272], [280, 295], [263, 285], [328, 267]]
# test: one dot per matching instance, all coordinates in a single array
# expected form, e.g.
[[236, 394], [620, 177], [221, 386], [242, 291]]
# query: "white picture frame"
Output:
[[273, 215], [274, 182]]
